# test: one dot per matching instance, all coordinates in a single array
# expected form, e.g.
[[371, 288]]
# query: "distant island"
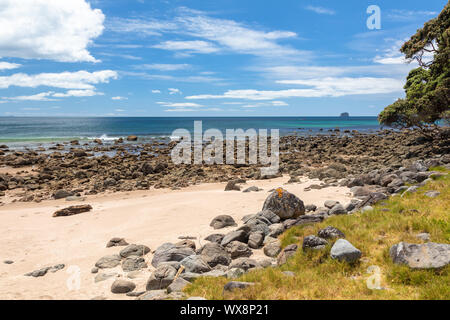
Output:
[[344, 115]]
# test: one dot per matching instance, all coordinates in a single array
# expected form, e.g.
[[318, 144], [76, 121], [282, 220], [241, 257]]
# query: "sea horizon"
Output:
[[48, 129]]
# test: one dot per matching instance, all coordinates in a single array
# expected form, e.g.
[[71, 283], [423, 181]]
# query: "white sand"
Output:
[[32, 238]]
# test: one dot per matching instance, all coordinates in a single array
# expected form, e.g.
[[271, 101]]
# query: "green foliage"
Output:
[[428, 86]]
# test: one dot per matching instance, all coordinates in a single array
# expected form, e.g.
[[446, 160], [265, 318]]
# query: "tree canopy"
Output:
[[428, 86]]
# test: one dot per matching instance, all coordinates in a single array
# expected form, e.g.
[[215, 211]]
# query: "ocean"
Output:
[[26, 130]]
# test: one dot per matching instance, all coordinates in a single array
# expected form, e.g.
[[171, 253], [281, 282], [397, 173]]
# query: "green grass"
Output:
[[317, 276]]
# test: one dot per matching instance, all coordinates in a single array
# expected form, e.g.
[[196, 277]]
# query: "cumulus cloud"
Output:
[[323, 87], [78, 93], [119, 98], [156, 91], [49, 29], [81, 80], [8, 66]]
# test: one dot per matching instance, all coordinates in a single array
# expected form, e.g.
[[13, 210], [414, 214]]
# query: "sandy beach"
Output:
[[32, 238]]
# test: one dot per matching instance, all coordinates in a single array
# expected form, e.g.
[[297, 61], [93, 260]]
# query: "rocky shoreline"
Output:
[[341, 158]]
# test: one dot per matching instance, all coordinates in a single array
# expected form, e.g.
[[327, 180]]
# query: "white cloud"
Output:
[[180, 104], [323, 87], [163, 67], [78, 93], [156, 91], [66, 80], [174, 91], [43, 96], [49, 29], [46, 96], [320, 10], [195, 46], [217, 35], [119, 110], [407, 15], [119, 98], [8, 66]]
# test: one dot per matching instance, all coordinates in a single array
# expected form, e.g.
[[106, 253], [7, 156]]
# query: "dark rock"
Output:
[[222, 221], [255, 240], [116, 242], [72, 210], [134, 263], [134, 250], [170, 252], [161, 278], [195, 264], [232, 285], [284, 204], [214, 254], [122, 286], [217, 238], [313, 242], [110, 261], [238, 249], [330, 233]]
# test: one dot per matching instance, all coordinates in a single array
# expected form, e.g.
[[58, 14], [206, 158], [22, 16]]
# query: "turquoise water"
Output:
[[40, 129]]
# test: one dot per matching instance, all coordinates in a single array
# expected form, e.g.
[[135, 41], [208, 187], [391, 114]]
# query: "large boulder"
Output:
[[237, 235], [214, 254], [133, 263], [161, 278], [272, 248], [122, 286], [343, 250], [284, 204], [195, 264], [244, 263], [223, 221], [421, 256], [170, 252], [137, 250], [238, 249]]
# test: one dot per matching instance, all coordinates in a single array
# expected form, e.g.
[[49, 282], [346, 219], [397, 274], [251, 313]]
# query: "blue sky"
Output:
[[203, 58]]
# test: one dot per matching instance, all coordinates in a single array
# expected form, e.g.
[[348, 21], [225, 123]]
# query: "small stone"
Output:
[[235, 273], [289, 273], [432, 194], [8, 262], [424, 236], [122, 286], [72, 210], [104, 276], [109, 261], [232, 285], [94, 270], [367, 209]]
